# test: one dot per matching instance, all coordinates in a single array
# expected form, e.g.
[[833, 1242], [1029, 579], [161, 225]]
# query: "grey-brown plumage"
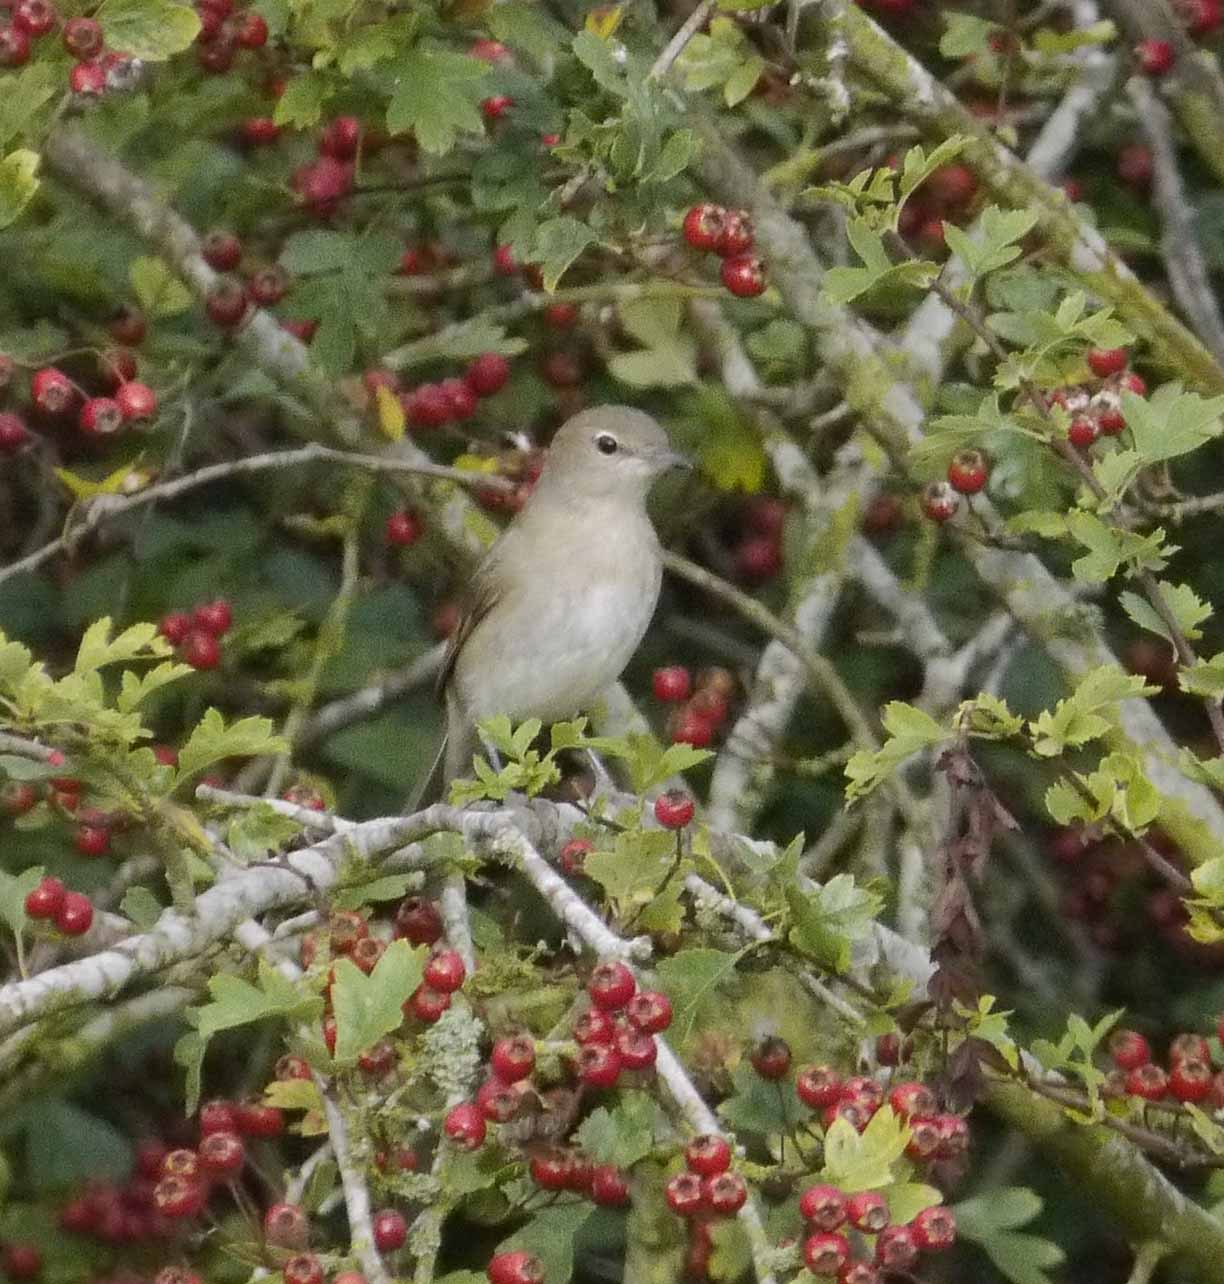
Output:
[[562, 599]]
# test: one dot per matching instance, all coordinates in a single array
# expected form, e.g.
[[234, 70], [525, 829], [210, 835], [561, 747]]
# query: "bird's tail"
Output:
[[453, 759]]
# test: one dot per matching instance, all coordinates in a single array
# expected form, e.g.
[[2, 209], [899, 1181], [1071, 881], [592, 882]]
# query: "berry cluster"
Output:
[[97, 70], [702, 712], [947, 195], [730, 235], [880, 1247], [51, 901], [1189, 1079], [224, 34], [1095, 409], [197, 633]]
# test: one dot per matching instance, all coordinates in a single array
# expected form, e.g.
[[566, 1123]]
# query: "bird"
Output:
[[559, 603]]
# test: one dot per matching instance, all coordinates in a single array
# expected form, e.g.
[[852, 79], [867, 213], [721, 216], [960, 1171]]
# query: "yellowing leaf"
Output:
[[82, 488], [18, 183], [390, 414], [603, 21], [160, 292]]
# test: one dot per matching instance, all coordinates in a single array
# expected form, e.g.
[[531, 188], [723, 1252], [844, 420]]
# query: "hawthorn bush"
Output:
[[874, 927]]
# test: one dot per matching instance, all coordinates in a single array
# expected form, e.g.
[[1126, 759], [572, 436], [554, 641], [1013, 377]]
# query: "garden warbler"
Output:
[[561, 600]]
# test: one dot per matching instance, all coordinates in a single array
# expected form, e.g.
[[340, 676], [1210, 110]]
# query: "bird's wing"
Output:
[[479, 598]]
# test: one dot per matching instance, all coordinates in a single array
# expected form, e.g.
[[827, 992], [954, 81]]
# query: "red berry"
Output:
[[92, 840], [21, 1261], [403, 529], [867, 1211], [34, 17], [1083, 431], [858, 1273], [934, 1229], [1135, 166], [504, 262], [825, 1253], [179, 1196], [226, 304], [1129, 1049], [217, 1116], [953, 1135], [52, 391], [100, 416], [674, 809], [550, 1169], [445, 971], [703, 226], [418, 922], [561, 370], [672, 684], [650, 1011], [572, 856], [13, 433], [378, 1059], [818, 1086], [518, 1267], [690, 728], [83, 38], [513, 1058], [14, 47], [499, 1101], [1104, 362], [1155, 57], [181, 1162], [427, 406], [708, 1154], [136, 401], [951, 187], [1189, 1046], [367, 951], [44, 901], [771, 1057], [260, 131], [290, 1067], [491, 51], [1131, 382], [465, 1126], [737, 235], [561, 316], [636, 1049], [286, 1226], [390, 1230], [758, 558], [175, 627], [823, 1206], [251, 31], [268, 286], [599, 1065], [685, 1195], [75, 914], [940, 502], [1202, 17], [222, 1154], [743, 275], [305, 1268], [487, 374], [427, 1004], [496, 107], [609, 1186], [908, 1099], [201, 650], [254, 1119], [594, 1026], [1190, 1080], [968, 473], [214, 617], [924, 1139], [725, 1193], [341, 139], [221, 250], [128, 326], [611, 986], [863, 1090]]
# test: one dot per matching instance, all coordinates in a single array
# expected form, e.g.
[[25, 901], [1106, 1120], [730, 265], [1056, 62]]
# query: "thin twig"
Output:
[[676, 45]]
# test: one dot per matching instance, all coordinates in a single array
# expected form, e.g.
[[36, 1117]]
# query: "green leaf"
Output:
[[65, 1146], [18, 183], [864, 1161], [14, 888], [369, 1007], [436, 97], [844, 284], [623, 1134], [550, 1236], [990, 1221], [595, 54], [160, 292], [151, 30], [920, 165], [141, 906], [526, 27], [994, 241], [633, 872], [1088, 713], [691, 979], [301, 105], [558, 242], [27, 92], [257, 831], [829, 920], [390, 887], [236, 1002], [1172, 423], [1204, 677], [761, 1106], [669, 358], [1188, 609], [134, 688], [212, 740], [98, 648], [909, 730], [966, 34]]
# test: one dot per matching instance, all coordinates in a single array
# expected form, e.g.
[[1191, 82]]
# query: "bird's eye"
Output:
[[606, 444]]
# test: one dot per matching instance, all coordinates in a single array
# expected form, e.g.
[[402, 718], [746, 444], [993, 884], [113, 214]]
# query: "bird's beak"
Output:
[[676, 459]]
